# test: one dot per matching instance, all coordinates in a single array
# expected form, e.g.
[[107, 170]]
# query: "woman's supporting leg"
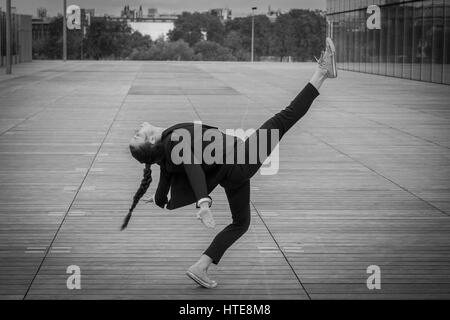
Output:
[[203, 263], [239, 201]]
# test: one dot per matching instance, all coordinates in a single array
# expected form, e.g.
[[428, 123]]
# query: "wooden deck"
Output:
[[363, 180]]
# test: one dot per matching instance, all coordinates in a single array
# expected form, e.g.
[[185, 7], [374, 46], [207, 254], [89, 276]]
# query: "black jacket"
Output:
[[188, 183]]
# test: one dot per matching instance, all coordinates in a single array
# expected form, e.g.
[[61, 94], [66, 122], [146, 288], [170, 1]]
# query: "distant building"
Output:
[[273, 14], [21, 36], [224, 14], [166, 17], [135, 15], [152, 13], [90, 12], [155, 24], [40, 28], [41, 13], [128, 13], [41, 24]]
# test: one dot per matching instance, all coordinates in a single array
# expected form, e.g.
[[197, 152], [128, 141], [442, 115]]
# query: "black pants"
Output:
[[238, 191]]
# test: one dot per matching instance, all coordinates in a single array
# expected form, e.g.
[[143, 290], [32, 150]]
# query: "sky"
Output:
[[113, 7]]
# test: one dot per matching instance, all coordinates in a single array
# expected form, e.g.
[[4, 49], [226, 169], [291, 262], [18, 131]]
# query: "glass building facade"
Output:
[[413, 42]]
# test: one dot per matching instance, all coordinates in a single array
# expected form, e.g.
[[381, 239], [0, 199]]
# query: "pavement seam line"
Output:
[[282, 252]]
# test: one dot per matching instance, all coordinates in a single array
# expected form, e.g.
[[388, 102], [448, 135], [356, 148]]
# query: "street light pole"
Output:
[[64, 30], [253, 33], [8, 38]]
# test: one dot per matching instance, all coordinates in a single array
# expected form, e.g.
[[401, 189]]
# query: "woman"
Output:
[[192, 180]]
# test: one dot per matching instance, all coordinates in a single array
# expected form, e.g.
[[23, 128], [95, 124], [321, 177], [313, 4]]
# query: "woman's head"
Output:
[[142, 145], [146, 133]]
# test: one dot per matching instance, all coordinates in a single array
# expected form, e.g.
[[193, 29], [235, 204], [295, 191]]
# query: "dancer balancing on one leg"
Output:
[[192, 181]]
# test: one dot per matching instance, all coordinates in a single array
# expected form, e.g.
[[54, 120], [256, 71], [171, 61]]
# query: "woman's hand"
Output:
[[205, 215], [149, 199]]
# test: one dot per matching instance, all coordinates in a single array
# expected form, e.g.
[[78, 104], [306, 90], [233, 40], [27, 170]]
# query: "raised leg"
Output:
[[278, 125]]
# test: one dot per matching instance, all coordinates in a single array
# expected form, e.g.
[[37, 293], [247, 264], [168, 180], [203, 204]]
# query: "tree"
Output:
[[51, 47], [235, 42], [163, 50], [108, 39], [243, 27], [213, 51], [105, 39], [136, 42], [299, 33], [189, 27]]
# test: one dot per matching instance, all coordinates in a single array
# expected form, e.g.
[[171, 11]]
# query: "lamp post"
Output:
[[8, 38], [253, 32], [64, 30]]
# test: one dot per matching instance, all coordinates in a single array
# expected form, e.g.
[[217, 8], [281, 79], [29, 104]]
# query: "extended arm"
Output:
[[163, 188]]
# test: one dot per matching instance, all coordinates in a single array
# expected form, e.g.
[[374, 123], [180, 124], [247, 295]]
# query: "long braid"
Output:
[[145, 183]]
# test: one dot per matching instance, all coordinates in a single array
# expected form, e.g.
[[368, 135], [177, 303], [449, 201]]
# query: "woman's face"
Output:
[[145, 133]]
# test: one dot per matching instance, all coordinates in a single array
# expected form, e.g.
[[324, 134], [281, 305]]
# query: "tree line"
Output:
[[299, 34]]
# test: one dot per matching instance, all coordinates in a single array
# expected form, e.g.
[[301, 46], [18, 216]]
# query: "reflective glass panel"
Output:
[[417, 40], [427, 41], [399, 28], [447, 44], [391, 13], [407, 39], [437, 58], [383, 41]]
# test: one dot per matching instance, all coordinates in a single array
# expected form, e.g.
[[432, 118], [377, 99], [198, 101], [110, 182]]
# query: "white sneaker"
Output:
[[331, 49], [327, 59], [201, 278]]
